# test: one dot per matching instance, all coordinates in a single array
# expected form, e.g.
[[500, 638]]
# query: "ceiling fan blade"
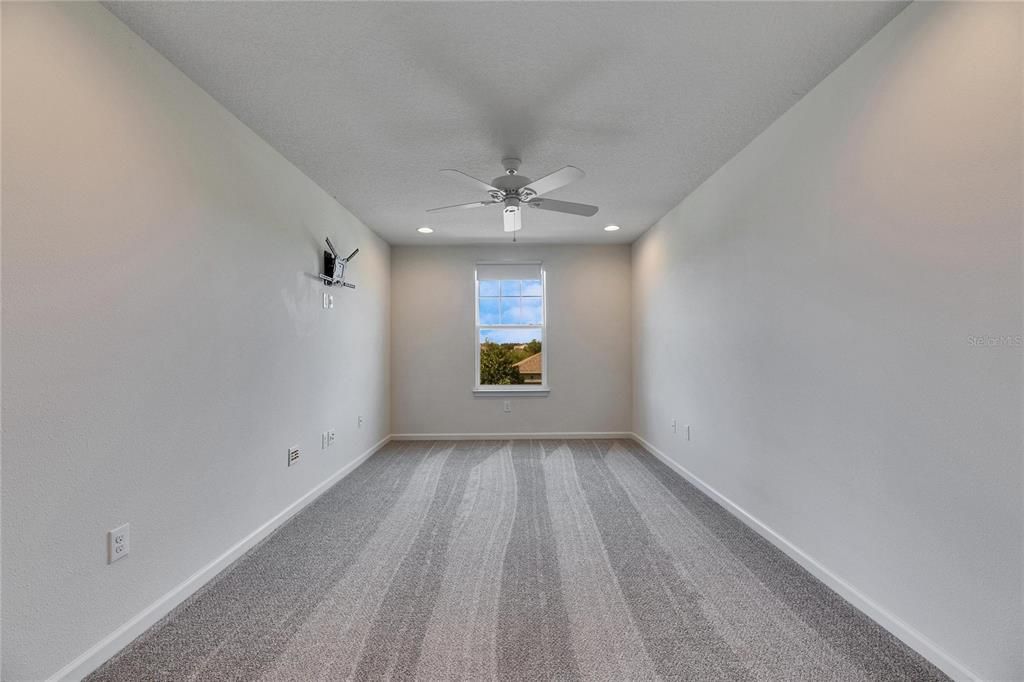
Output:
[[469, 180], [564, 207], [473, 204], [513, 219], [552, 181]]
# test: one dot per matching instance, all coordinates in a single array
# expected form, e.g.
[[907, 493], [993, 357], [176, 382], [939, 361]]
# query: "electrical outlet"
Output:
[[117, 543], [293, 456], [330, 438], [330, 301], [326, 299], [508, 406], [360, 421]]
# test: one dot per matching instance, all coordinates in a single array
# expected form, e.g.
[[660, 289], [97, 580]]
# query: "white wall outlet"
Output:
[[507, 406], [675, 428], [326, 300], [359, 421], [117, 543], [330, 301], [293, 456], [330, 438]]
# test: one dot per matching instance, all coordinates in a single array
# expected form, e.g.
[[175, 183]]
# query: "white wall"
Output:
[[588, 344], [163, 344], [809, 311]]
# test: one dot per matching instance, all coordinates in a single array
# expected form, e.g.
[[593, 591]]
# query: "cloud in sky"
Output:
[[510, 335]]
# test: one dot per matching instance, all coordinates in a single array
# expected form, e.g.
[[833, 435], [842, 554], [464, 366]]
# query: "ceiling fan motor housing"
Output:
[[511, 183], [512, 188]]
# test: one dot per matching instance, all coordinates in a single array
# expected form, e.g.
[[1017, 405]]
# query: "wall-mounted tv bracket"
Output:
[[334, 267]]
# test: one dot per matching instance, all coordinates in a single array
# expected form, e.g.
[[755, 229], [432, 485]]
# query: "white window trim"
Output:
[[515, 389]]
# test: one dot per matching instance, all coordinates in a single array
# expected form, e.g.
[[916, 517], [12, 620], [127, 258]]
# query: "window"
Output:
[[510, 319]]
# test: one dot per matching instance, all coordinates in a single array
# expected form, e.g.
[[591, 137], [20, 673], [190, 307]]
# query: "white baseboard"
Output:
[[907, 634], [103, 650], [573, 435]]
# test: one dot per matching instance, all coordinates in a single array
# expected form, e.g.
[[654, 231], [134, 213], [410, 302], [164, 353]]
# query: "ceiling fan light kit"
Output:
[[516, 192]]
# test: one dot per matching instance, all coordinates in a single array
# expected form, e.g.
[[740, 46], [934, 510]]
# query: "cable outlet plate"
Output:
[[293, 456]]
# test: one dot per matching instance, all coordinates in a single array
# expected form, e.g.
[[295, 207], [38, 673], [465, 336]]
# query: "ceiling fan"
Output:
[[518, 191]]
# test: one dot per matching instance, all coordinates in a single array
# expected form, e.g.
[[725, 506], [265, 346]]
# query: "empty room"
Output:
[[609, 341]]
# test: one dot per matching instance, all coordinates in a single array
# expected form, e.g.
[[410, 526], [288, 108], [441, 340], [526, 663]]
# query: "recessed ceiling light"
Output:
[[611, 228], [424, 230]]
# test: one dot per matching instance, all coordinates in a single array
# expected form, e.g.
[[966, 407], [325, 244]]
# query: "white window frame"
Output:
[[513, 389]]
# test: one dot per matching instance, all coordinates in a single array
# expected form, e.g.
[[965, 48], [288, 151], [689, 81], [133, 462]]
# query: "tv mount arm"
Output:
[[334, 267]]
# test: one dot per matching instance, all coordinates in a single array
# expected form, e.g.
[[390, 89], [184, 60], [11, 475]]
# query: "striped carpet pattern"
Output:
[[515, 560]]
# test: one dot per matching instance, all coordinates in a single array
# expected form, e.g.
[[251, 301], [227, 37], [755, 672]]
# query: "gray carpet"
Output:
[[542, 560]]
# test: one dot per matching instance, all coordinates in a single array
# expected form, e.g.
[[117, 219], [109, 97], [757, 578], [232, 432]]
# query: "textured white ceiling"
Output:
[[370, 99]]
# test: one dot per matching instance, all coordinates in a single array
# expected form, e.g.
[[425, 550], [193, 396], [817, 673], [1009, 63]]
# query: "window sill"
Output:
[[506, 392]]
